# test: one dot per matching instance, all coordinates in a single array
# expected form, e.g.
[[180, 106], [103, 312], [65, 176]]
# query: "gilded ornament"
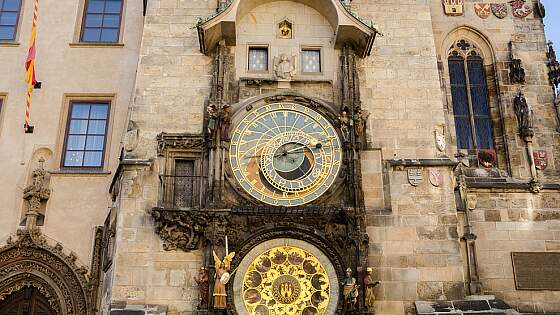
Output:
[[286, 280], [285, 154]]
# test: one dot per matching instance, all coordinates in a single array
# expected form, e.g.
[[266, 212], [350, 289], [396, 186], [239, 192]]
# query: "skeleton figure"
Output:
[[221, 278], [344, 125], [524, 115]]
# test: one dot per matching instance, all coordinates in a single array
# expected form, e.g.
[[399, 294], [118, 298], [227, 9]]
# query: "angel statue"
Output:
[[221, 279]]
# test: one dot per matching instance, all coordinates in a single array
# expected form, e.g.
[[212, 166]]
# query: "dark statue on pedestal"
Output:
[[524, 115], [202, 280]]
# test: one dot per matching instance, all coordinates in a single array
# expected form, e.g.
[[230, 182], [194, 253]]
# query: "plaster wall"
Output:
[[78, 202]]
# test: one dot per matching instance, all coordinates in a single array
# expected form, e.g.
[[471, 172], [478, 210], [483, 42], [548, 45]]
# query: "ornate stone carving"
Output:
[[37, 192], [184, 141], [284, 67], [132, 137], [180, 229], [553, 66], [524, 115], [28, 260]]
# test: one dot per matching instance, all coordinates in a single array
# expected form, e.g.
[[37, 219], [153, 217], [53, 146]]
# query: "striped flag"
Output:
[[30, 66]]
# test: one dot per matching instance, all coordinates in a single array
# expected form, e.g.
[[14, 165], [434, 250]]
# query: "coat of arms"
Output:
[[436, 178], [414, 176], [541, 159], [500, 10], [453, 7], [440, 141], [520, 8], [482, 10]]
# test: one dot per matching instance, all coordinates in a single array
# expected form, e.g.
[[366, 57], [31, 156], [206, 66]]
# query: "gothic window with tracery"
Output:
[[469, 93]]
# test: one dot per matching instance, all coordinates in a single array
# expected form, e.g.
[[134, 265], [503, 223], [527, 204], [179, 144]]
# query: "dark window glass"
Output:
[[87, 132], [473, 113], [481, 110], [102, 21], [9, 15]]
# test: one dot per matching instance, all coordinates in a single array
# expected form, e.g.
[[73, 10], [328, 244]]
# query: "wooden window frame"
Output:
[[83, 25], [16, 25], [67, 129]]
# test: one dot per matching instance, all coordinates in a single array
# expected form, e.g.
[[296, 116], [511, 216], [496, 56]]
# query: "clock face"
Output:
[[285, 154]]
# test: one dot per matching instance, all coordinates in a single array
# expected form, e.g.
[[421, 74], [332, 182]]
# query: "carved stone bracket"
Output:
[[180, 229], [28, 260], [184, 141]]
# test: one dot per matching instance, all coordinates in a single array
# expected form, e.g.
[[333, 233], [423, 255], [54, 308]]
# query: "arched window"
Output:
[[469, 94]]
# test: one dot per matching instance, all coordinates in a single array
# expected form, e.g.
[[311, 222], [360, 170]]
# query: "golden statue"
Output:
[[221, 279], [370, 284]]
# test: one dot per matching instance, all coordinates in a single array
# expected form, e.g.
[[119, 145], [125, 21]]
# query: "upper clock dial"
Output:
[[285, 154]]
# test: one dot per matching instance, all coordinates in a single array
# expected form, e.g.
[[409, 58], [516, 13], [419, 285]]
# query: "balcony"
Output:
[[181, 192]]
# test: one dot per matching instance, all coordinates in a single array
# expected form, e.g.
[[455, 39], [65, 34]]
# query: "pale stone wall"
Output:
[[79, 202], [508, 222], [511, 220], [311, 29], [399, 81], [172, 84], [414, 245], [414, 237]]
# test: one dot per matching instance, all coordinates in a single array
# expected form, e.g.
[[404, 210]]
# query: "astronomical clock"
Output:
[[278, 212], [285, 154]]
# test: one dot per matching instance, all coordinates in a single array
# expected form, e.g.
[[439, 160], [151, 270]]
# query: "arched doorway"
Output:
[[27, 301]]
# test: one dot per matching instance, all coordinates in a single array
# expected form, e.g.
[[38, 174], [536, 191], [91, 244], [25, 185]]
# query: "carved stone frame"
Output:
[[30, 261]]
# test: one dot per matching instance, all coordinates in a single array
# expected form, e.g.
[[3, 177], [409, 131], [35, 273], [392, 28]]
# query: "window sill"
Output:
[[9, 44], [96, 45], [79, 172]]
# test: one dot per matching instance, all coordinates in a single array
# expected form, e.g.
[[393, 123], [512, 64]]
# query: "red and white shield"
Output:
[[482, 10], [436, 178], [520, 8], [541, 159]]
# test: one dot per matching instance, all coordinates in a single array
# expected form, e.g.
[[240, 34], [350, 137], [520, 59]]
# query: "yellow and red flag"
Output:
[[30, 65]]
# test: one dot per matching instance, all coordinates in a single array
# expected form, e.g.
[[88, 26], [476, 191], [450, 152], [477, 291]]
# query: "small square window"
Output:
[[311, 60], [258, 59]]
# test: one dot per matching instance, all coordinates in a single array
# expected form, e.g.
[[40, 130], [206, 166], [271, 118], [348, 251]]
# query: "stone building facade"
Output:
[[257, 150]]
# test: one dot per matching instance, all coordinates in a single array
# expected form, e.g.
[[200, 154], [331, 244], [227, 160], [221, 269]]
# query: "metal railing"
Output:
[[181, 192]]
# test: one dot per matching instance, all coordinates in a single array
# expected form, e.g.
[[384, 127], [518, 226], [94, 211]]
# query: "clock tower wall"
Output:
[[180, 91]]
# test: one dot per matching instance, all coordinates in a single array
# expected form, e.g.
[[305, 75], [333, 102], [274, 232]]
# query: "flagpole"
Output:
[[30, 69]]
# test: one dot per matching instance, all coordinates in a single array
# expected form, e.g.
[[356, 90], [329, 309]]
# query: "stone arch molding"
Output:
[[349, 28], [28, 260], [483, 45]]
